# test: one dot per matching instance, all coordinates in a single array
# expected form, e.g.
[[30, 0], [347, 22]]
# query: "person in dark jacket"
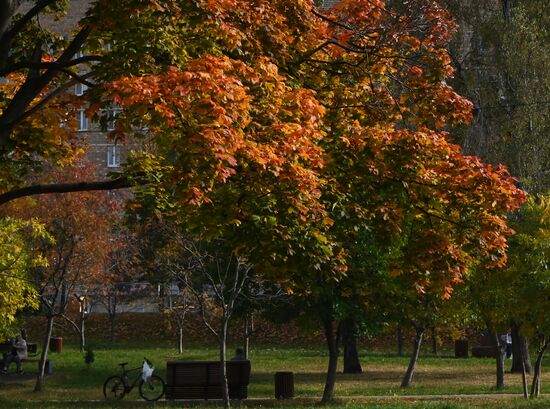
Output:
[[17, 354]]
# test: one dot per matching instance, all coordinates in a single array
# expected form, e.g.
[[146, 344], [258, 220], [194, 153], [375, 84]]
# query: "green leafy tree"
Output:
[[19, 254], [529, 276], [502, 70]]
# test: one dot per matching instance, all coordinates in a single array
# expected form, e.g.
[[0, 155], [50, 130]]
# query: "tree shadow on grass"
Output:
[[391, 376], [15, 378]]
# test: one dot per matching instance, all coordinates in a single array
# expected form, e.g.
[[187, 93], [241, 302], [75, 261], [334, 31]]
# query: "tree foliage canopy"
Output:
[[288, 137], [282, 127], [19, 244]]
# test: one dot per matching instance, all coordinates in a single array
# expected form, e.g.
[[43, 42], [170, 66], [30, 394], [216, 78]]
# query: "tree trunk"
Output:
[[399, 341], [535, 386], [112, 319], [507, 9], [39, 386], [351, 356], [520, 353], [180, 340], [248, 329], [524, 380], [223, 366], [434, 341], [414, 357], [7, 8], [82, 339], [332, 343], [112, 311], [500, 348]]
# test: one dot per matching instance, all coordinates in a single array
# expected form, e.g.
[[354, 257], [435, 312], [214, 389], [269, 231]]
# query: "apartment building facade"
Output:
[[106, 153]]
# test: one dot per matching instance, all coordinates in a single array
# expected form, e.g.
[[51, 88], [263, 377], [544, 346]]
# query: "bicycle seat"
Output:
[[123, 364]]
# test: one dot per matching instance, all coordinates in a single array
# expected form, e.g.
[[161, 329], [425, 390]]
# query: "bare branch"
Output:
[[70, 321]]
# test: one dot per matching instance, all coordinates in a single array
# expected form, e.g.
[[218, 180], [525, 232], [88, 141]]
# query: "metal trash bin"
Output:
[[56, 344], [461, 348], [48, 368], [284, 385]]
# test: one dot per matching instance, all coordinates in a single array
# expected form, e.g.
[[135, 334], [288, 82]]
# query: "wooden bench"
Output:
[[32, 348], [32, 355], [484, 351], [201, 379]]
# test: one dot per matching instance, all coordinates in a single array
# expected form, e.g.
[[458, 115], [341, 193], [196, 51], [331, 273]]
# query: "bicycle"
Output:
[[151, 387]]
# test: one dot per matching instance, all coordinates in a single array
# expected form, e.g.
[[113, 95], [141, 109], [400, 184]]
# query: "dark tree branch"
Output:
[[507, 9], [79, 78], [13, 114], [54, 93], [118, 183], [36, 56], [336, 23], [20, 24], [7, 9], [49, 65]]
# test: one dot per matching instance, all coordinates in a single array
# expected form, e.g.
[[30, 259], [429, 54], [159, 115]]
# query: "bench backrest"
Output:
[[206, 373], [201, 379]]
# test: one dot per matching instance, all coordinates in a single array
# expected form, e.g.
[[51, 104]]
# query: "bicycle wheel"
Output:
[[113, 388], [153, 389]]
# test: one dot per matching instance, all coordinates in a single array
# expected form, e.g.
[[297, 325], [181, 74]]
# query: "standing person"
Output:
[[506, 340], [509, 345], [239, 355], [18, 352]]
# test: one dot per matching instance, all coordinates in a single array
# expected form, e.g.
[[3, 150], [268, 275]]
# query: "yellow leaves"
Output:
[[395, 272], [320, 237], [235, 222], [412, 41]]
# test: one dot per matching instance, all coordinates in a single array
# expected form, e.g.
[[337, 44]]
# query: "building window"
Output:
[[113, 156], [79, 89], [111, 118], [82, 120]]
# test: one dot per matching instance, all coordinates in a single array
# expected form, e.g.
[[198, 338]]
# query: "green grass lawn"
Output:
[[73, 381]]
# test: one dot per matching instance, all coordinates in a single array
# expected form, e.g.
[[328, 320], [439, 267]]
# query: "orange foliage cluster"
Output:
[[220, 113]]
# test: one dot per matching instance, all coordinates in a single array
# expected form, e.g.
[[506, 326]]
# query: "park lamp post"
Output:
[[82, 309], [82, 304]]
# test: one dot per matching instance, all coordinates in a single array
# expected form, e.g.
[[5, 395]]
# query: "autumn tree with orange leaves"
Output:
[[287, 130]]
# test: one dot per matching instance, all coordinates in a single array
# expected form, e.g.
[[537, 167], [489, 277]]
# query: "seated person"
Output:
[[239, 355], [18, 352]]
